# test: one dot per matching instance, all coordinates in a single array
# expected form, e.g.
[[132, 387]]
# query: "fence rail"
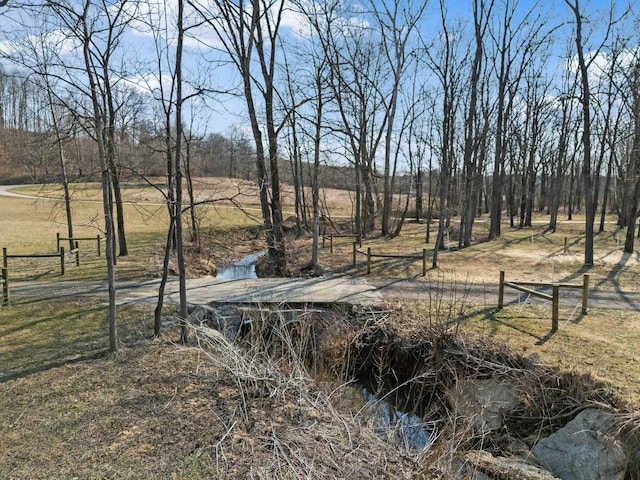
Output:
[[331, 236], [554, 297], [371, 255], [59, 254], [75, 240]]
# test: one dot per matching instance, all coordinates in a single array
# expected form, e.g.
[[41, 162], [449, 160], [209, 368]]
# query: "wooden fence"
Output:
[[5, 288], [331, 236], [554, 297], [75, 240], [371, 255], [59, 254]]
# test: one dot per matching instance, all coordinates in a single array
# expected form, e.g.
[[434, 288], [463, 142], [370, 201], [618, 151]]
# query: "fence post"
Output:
[[555, 307], [62, 260], [77, 254], [323, 237], [585, 294], [501, 290], [360, 239], [5, 288], [331, 243], [98, 245], [368, 260], [565, 245], [57, 241], [355, 252], [4, 257], [424, 262]]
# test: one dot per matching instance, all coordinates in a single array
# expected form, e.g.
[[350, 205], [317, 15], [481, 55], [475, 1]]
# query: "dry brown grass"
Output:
[[159, 410], [164, 411], [525, 255]]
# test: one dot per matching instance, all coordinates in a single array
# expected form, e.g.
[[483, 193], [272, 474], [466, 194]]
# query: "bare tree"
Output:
[[37, 54], [397, 22], [250, 29], [473, 131], [588, 174], [516, 44], [445, 65], [631, 100], [98, 31]]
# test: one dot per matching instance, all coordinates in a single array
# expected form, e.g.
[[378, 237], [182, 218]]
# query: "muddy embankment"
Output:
[[486, 410]]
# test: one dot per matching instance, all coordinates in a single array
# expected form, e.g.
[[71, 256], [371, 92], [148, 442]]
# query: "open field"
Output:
[[161, 410], [530, 254]]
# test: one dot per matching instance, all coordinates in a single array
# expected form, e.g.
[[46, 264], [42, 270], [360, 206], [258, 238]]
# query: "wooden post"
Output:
[[57, 241], [585, 294], [360, 240], [5, 288], [98, 245], [501, 291], [4, 257], [555, 307], [424, 262], [368, 260], [62, 260], [77, 254], [323, 237], [355, 252], [565, 245], [331, 243]]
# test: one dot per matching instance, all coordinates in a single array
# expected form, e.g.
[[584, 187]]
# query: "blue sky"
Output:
[[221, 112]]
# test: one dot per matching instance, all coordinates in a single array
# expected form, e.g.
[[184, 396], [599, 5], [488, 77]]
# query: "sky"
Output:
[[222, 112]]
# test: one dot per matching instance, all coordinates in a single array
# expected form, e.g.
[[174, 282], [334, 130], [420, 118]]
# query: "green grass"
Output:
[[37, 334]]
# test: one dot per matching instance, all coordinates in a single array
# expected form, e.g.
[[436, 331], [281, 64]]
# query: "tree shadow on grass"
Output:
[[490, 316], [36, 336]]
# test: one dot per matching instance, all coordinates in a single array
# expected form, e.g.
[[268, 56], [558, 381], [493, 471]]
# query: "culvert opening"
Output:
[[318, 339]]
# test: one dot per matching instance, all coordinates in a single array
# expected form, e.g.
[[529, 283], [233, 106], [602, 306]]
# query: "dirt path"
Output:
[[327, 289]]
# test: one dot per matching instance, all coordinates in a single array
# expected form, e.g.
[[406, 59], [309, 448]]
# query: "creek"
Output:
[[390, 421], [386, 413], [243, 268]]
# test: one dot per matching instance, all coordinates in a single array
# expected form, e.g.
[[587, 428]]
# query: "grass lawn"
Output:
[[161, 410]]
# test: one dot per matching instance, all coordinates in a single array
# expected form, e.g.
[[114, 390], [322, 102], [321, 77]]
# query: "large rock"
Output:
[[584, 449], [479, 465], [483, 401], [227, 319]]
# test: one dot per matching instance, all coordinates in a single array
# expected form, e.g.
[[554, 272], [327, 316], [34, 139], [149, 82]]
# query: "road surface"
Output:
[[326, 289]]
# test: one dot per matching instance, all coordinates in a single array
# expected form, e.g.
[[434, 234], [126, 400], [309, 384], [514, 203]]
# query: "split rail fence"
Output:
[[75, 240], [371, 255], [554, 298], [59, 253]]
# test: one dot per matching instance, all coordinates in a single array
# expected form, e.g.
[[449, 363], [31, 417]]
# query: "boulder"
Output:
[[483, 401], [584, 449], [227, 319], [482, 465]]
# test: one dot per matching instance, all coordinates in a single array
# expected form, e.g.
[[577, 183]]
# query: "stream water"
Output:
[[390, 422], [403, 428], [243, 268]]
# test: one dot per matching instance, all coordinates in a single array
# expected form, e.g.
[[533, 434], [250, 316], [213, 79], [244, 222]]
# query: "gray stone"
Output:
[[227, 319], [483, 465], [483, 401], [584, 449]]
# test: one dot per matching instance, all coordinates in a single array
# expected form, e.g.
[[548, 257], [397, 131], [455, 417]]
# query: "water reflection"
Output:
[[390, 422], [404, 428]]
